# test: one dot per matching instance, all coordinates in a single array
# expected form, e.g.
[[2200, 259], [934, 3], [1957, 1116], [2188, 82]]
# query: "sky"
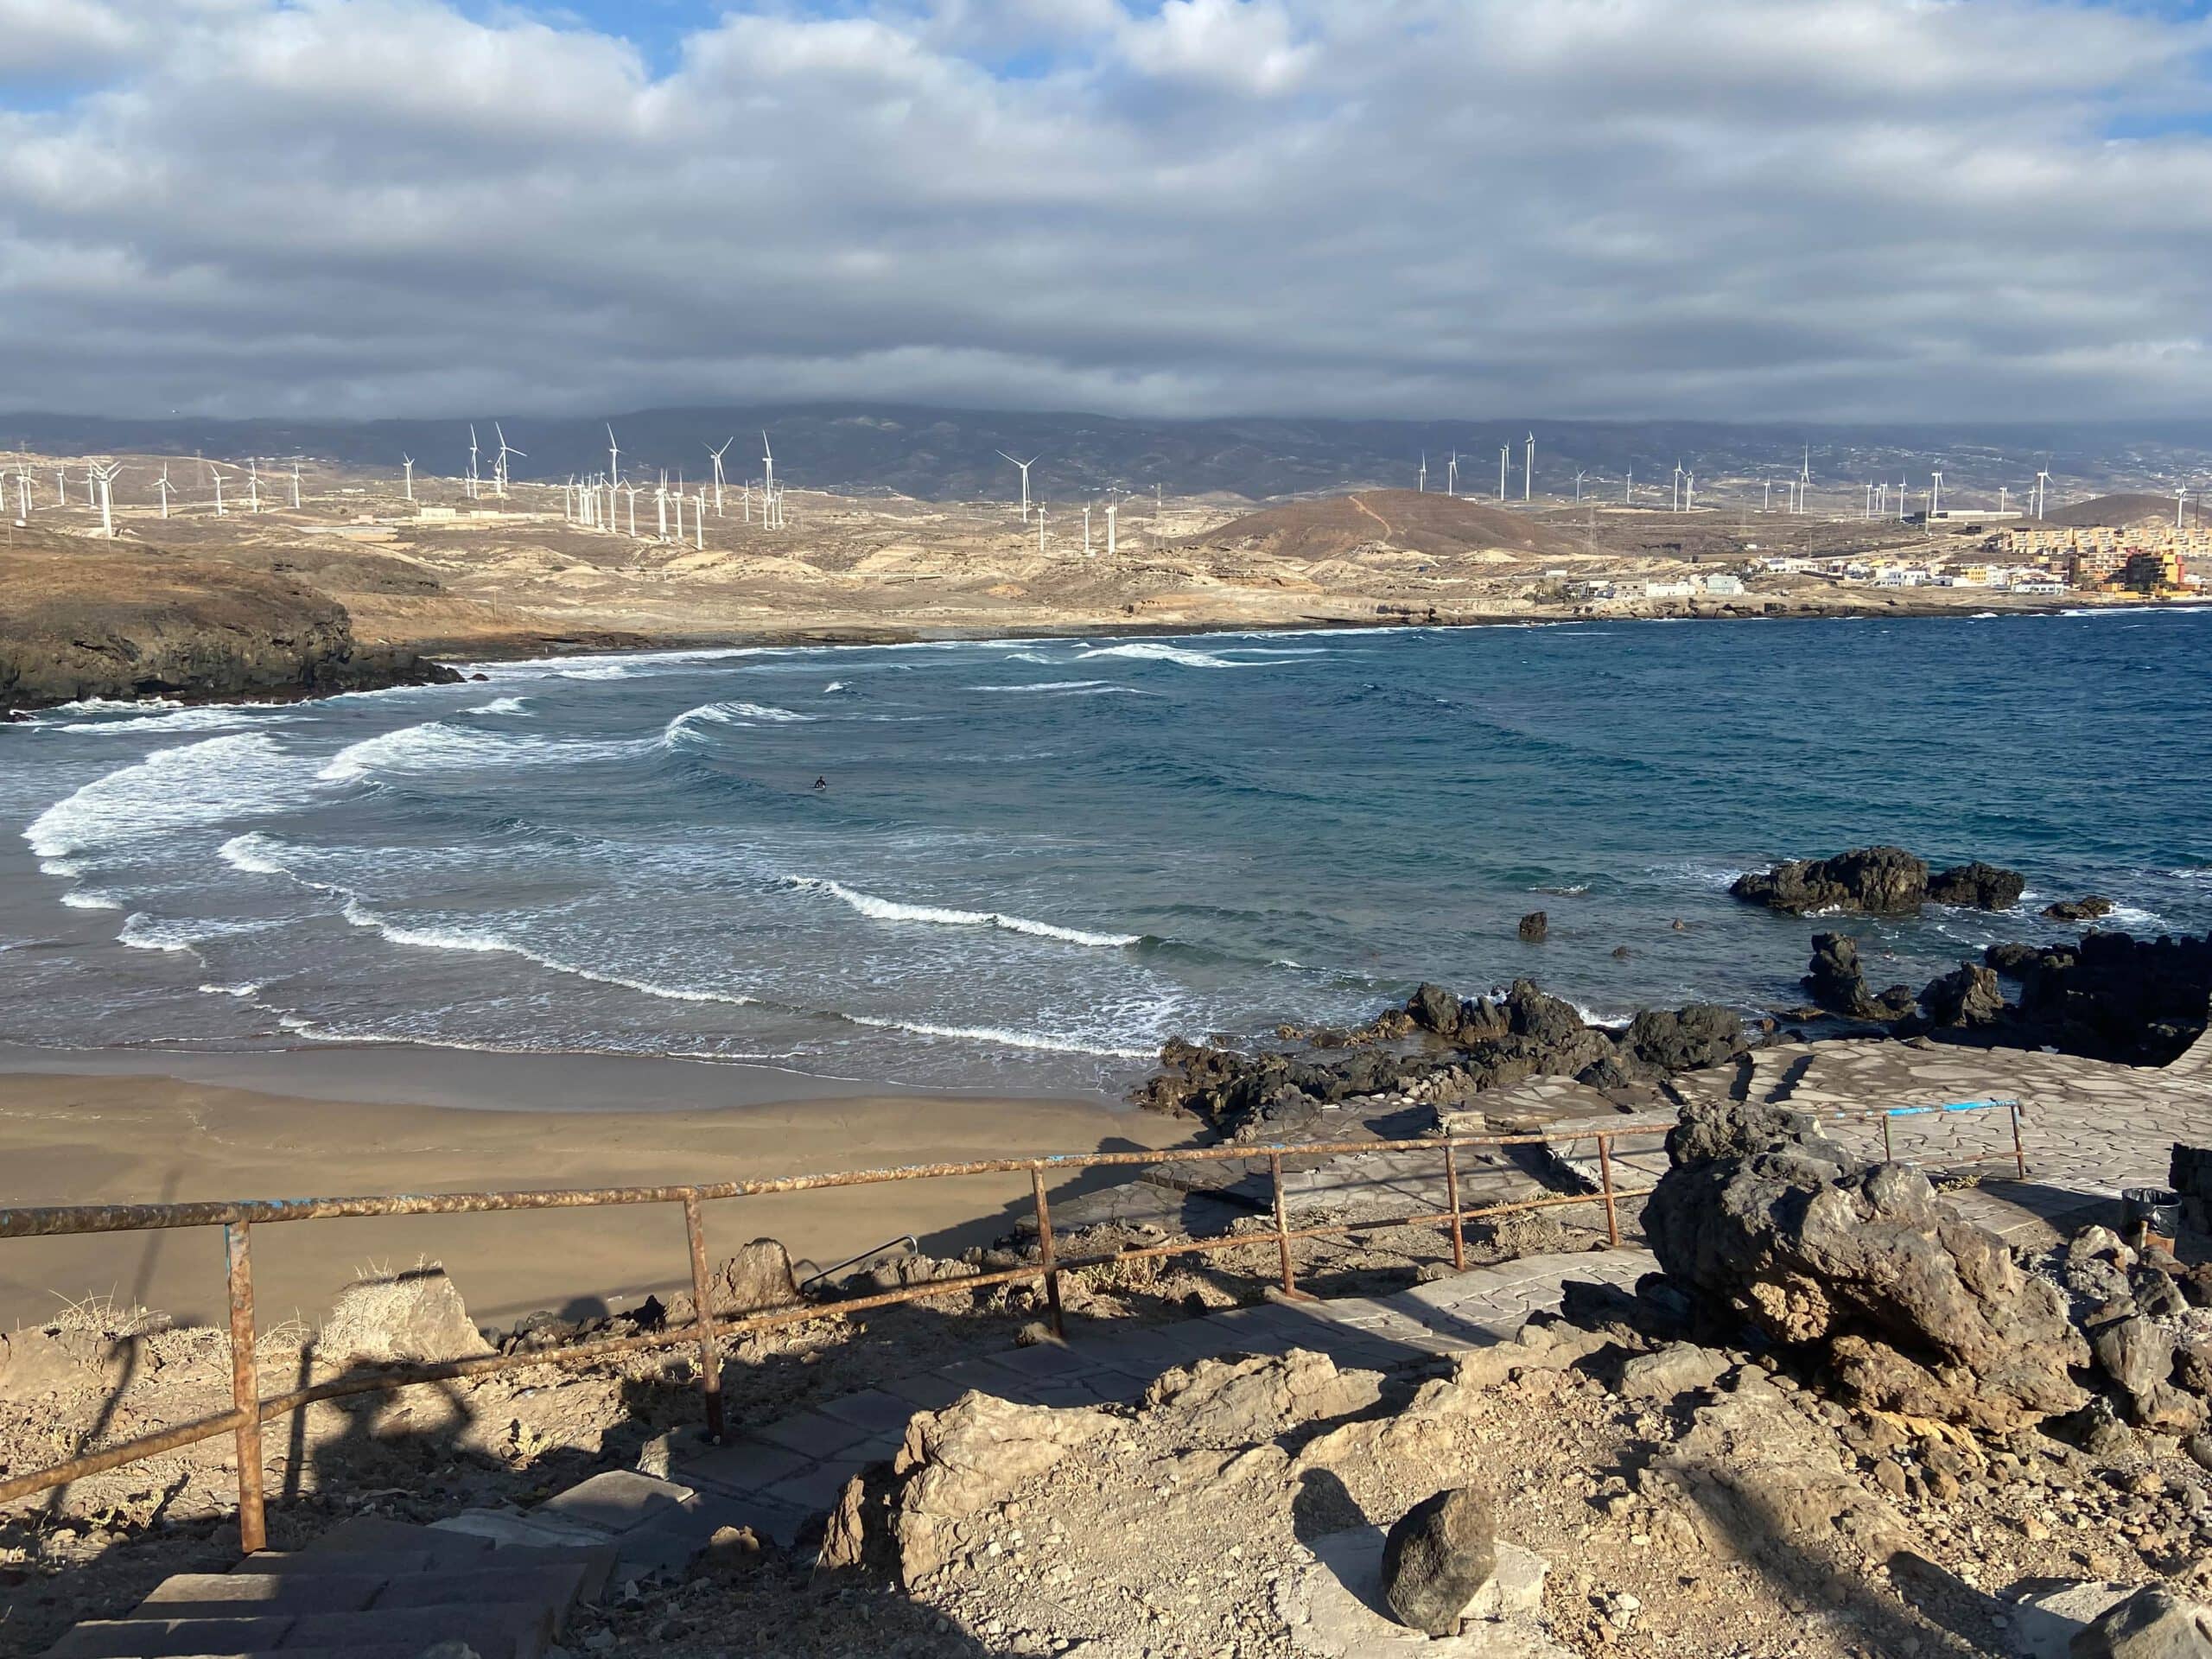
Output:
[[1838, 210]]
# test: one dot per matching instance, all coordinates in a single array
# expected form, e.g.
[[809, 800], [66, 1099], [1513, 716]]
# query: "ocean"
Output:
[[1030, 861]]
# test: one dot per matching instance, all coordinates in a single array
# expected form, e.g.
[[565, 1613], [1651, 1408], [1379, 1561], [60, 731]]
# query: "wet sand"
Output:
[[128, 1127]]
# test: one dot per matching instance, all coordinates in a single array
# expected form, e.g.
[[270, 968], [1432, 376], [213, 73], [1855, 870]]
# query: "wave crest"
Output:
[[890, 910]]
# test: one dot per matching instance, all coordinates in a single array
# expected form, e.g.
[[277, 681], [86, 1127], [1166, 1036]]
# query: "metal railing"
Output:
[[250, 1408]]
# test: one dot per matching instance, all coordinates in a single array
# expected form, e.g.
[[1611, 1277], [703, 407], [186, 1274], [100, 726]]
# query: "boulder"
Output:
[[415, 1315], [1835, 981], [2152, 1624], [1977, 886], [1676, 1369], [757, 1278], [2138, 1354], [1912, 1308], [2088, 908], [1433, 1009], [2108, 996], [1684, 1039], [1966, 999], [1534, 927], [1229, 1403], [962, 1460], [1877, 880], [1437, 1556]]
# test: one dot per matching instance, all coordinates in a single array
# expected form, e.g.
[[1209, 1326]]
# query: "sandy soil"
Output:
[[94, 1139]]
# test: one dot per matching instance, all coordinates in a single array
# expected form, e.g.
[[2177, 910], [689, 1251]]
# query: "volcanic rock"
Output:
[[2109, 996], [1242, 1402], [1977, 886], [2152, 1624], [1912, 1308], [959, 1461], [1967, 997], [1879, 881], [2086, 908], [1437, 1556], [412, 1316], [1534, 927], [1835, 981]]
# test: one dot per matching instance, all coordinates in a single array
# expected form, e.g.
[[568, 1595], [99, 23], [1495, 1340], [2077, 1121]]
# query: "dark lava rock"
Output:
[[2151, 1624], [1433, 1009], [1879, 881], [1977, 886], [1968, 998], [2108, 996], [1836, 983], [1908, 1306], [1441, 1551], [2088, 908], [1686, 1039], [1533, 927], [1622, 953]]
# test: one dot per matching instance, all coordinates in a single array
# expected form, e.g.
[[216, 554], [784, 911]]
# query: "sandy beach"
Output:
[[116, 1128]]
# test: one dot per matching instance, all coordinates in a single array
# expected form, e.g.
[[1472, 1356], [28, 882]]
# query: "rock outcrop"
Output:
[[1836, 981], [1878, 882], [1969, 998], [2109, 996], [1910, 1306], [961, 1461], [2089, 908], [93, 621]]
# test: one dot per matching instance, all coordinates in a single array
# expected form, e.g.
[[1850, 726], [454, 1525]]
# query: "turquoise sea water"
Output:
[[1034, 860]]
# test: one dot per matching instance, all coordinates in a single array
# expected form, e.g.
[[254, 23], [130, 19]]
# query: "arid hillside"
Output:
[[1412, 521]]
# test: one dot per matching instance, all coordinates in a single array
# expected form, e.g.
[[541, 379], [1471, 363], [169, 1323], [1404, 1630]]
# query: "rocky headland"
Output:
[[80, 620]]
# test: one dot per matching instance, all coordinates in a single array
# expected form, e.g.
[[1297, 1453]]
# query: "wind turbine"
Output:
[[768, 478], [163, 484], [1766, 496], [499, 464], [216, 472], [630, 490], [1628, 488], [1579, 477], [660, 505], [1113, 508], [2043, 484], [1451, 476], [1676, 498], [717, 454], [1528, 472], [295, 485], [407, 462], [1040, 530], [1504, 456], [1689, 492], [1024, 466], [1904, 487], [474, 482], [1935, 495], [252, 484], [699, 521], [614, 457], [1421, 482], [106, 475], [1086, 530]]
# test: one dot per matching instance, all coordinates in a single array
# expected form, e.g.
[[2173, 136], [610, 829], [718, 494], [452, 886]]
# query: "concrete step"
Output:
[[371, 1533], [232, 1595], [498, 1630]]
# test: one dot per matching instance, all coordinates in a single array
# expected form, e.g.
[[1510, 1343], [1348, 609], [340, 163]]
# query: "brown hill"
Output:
[[2112, 510], [87, 619], [1430, 523]]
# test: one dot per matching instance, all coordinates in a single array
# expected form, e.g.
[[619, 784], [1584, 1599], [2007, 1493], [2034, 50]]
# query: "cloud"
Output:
[[1840, 208]]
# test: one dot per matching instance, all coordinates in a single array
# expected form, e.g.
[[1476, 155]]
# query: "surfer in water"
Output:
[[822, 783]]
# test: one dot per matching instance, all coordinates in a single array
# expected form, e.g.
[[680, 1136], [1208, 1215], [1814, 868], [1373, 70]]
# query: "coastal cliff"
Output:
[[85, 620]]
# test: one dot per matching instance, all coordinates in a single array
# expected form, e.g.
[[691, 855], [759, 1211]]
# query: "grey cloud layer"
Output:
[[1832, 209]]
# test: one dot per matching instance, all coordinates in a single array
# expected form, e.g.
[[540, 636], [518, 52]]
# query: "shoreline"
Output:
[[109, 1134]]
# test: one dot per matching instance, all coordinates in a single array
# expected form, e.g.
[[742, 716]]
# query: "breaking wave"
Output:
[[204, 783], [890, 910], [689, 724]]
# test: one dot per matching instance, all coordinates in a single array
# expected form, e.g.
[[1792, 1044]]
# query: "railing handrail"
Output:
[[237, 1217]]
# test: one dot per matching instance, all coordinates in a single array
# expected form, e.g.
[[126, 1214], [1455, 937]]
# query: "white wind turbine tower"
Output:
[[105, 476], [660, 506], [92, 495], [1086, 530], [1113, 509], [1935, 495], [630, 490], [1504, 457], [1451, 476], [717, 454], [216, 472], [568, 494], [1628, 488], [252, 484], [1040, 530], [1579, 477], [677, 501], [23, 491], [2001, 493], [1675, 500], [1528, 471], [1766, 496], [295, 487], [499, 464], [745, 500], [613, 459], [768, 478], [474, 482], [407, 462], [1904, 489], [163, 484], [1805, 479], [1689, 492], [2043, 484], [699, 520], [61, 487], [1024, 466], [1421, 480]]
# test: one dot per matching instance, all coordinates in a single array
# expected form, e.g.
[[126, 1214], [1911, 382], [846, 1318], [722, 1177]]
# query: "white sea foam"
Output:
[[213, 717], [254, 853], [204, 783], [834, 685], [1071, 688], [688, 724], [890, 910], [1159, 650], [447, 939], [434, 746], [611, 671], [244, 988], [1003, 1037], [90, 899], [499, 705]]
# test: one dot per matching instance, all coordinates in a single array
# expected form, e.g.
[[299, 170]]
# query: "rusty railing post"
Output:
[[245, 1390], [1451, 1195], [1889, 1153], [1605, 1181], [2019, 1153], [703, 1309], [1283, 1224], [1045, 1250]]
